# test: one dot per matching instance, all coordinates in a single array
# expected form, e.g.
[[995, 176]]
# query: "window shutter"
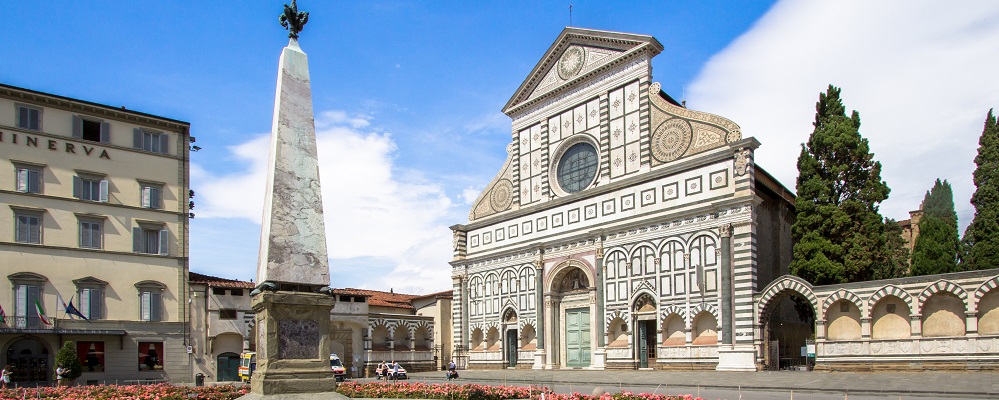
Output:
[[85, 234], [85, 302], [96, 234], [21, 301], [32, 299], [96, 298], [137, 240], [164, 143], [104, 190], [77, 187], [144, 308], [154, 306], [34, 119], [105, 132], [22, 117], [155, 198], [22, 180], [164, 242], [77, 126], [137, 138], [22, 229], [34, 181], [146, 195]]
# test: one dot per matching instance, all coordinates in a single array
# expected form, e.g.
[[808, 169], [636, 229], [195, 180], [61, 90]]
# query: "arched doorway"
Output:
[[644, 310], [572, 305], [510, 344], [30, 359], [787, 315], [788, 322], [227, 367]]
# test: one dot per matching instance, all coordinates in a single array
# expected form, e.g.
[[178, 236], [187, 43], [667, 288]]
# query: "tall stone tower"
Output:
[[292, 301]]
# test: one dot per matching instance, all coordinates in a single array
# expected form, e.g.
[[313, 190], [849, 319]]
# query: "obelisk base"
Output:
[[293, 344]]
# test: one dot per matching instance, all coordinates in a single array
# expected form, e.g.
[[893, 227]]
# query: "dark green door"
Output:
[[511, 348], [228, 367], [643, 345], [577, 337]]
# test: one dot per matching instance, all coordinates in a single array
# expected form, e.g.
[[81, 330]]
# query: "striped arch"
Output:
[[425, 325], [510, 306], [522, 322], [842, 294], [986, 287], [942, 285], [890, 290], [673, 309], [644, 287], [556, 274], [787, 282], [623, 314], [705, 307]]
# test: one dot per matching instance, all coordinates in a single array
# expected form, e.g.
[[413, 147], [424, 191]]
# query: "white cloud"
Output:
[[921, 74], [471, 193], [372, 209]]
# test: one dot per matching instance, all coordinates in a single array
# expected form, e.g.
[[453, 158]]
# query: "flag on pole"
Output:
[[3, 316], [41, 312], [72, 310]]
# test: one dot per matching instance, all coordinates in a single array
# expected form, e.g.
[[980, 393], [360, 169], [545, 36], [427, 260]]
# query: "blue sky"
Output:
[[407, 97]]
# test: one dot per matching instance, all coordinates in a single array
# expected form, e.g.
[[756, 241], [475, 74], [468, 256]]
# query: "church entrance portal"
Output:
[[788, 321], [577, 337]]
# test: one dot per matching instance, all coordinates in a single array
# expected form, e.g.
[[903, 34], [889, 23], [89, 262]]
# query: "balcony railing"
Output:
[[23, 322]]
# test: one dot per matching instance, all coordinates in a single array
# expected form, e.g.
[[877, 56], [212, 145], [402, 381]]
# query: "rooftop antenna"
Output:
[[570, 14]]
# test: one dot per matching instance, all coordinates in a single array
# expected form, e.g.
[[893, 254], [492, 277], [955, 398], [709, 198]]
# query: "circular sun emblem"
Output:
[[501, 196], [571, 62], [670, 140]]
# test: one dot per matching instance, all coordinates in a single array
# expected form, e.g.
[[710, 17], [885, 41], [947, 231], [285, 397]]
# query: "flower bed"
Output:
[[102, 392], [449, 391]]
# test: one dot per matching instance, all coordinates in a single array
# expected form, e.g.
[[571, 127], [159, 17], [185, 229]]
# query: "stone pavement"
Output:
[[941, 384]]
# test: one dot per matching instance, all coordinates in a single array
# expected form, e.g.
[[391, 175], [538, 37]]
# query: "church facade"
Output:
[[627, 231], [623, 231]]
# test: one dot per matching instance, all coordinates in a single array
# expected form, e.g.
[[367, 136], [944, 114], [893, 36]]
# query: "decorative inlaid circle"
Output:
[[571, 62], [671, 139], [501, 196], [577, 167]]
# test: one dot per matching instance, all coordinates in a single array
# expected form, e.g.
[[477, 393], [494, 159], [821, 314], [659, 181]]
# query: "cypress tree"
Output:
[[981, 238], [936, 247], [838, 233]]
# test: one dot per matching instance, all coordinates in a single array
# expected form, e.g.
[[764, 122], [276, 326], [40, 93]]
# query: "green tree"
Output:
[[980, 245], [69, 360], [896, 263], [936, 247], [839, 235]]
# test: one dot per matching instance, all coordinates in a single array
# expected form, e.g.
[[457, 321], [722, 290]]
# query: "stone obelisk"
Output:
[[292, 300]]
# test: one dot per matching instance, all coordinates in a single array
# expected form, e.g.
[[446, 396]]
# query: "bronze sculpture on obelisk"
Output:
[[292, 300]]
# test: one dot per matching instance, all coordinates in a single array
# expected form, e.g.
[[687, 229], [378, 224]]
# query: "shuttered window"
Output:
[[92, 130], [155, 142], [150, 305], [150, 241], [29, 180], [28, 228], [91, 234], [87, 188], [152, 196], [25, 296], [29, 118], [91, 301]]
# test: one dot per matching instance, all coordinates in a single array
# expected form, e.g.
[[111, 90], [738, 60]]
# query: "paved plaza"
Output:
[[745, 385]]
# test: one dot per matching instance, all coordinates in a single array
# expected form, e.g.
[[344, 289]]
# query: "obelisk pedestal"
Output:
[[293, 343]]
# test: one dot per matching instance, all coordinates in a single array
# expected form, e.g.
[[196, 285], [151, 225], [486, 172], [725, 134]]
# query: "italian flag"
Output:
[[41, 312]]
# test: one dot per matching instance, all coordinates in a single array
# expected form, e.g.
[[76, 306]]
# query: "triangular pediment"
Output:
[[576, 55]]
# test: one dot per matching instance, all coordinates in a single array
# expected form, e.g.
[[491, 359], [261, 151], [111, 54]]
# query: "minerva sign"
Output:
[[54, 145]]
